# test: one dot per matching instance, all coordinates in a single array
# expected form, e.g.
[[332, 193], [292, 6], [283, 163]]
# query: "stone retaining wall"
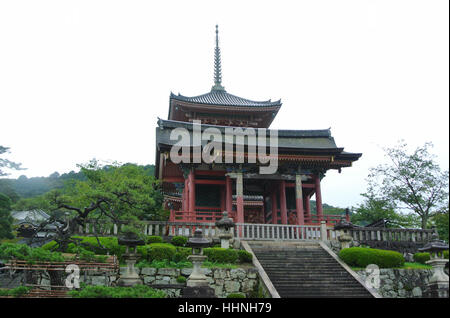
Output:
[[224, 281], [401, 283]]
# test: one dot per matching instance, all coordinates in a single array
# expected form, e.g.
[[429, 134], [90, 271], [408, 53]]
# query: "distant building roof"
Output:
[[34, 217]]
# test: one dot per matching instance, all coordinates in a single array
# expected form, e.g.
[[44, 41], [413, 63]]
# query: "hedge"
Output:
[[179, 240], [245, 257], [221, 255], [421, 258], [153, 239], [361, 257]]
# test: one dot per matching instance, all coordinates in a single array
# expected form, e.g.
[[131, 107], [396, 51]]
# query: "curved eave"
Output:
[[251, 106]]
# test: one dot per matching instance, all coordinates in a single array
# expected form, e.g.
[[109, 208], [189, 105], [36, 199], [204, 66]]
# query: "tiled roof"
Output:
[[221, 97]]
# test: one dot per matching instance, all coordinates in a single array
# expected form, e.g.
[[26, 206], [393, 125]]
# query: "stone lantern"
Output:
[[197, 283], [130, 277], [438, 283], [344, 228], [225, 224]]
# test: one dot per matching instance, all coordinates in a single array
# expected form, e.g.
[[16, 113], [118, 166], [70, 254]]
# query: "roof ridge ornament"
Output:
[[217, 66]]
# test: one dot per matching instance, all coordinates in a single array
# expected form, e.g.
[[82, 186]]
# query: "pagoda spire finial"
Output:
[[217, 65]]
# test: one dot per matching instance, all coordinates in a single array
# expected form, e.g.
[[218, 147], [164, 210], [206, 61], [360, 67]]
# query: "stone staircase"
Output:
[[306, 270]]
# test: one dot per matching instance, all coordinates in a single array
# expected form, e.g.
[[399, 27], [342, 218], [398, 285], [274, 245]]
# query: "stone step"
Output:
[[306, 271]]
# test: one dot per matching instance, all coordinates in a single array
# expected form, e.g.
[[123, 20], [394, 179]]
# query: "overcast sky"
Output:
[[85, 79]]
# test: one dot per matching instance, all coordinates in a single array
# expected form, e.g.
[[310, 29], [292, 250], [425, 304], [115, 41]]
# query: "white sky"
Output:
[[85, 79]]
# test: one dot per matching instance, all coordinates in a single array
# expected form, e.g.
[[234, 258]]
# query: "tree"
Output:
[[374, 209], [5, 163], [440, 220], [6, 220], [411, 182], [117, 194]]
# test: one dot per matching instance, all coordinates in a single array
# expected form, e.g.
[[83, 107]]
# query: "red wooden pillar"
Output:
[[274, 206], [283, 208], [299, 200], [191, 182], [239, 198], [307, 209], [229, 195], [318, 199]]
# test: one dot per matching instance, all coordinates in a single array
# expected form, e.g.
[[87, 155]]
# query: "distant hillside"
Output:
[[327, 209], [24, 187]]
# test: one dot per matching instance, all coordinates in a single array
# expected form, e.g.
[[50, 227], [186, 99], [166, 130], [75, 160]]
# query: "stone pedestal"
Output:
[[197, 278], [225, 240], [345, 239], [438, 283], [130, 277]]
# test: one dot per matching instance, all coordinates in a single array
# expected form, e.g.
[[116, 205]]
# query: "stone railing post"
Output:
[[323, 231]]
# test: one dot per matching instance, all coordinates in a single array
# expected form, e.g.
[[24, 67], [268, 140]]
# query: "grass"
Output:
[[405, 266]]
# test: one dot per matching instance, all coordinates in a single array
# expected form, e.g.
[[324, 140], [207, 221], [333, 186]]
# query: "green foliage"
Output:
[[440, 220], [15, 292], [421, 258], [153, 239], [236, 295], [244, 256], [361, 257], [157, 251], [221, 255], [6, 220], [179, 240], [138, 291], [412, 181], [163, 264], [181, 254], [181, 280], [31, 255], [89, 243], [374, 208]]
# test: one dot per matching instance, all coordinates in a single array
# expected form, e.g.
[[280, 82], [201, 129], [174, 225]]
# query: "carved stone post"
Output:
[[197, 284], [438, 284], [224, 225], [344, 228]]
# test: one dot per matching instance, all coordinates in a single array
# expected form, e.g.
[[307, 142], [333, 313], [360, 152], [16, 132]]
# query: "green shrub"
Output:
[[361, 257], [181, 279], [446, 254], [221, 255], [160, 251], [179, 240], [153, 239], [236, 295], [245, 257], [421, 257], [138, 291], [89, 243], [26, 253], [181, 254], [15, 292]]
